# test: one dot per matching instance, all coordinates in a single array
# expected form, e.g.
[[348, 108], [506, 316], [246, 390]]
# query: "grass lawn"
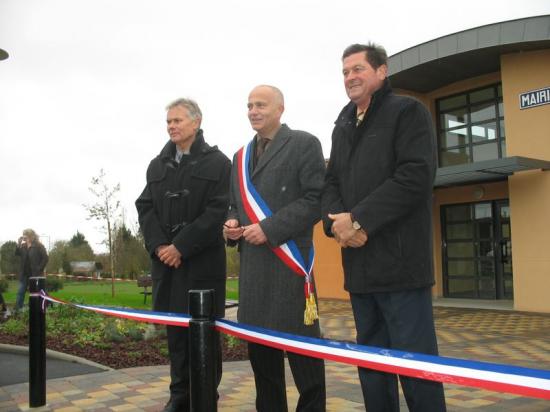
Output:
[[127, 294]]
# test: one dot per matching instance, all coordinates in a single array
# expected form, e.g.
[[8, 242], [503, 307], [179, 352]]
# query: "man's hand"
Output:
[[342, 228], [359, 239], [232, 230], [169, 255], [254, 234]]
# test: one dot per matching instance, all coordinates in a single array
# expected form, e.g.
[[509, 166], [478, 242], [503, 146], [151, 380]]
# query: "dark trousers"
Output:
[[269, 374], [402, 321], [178, 348]]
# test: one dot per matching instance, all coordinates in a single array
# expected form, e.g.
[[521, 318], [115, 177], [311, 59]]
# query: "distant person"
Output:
[[283, 169], [377, 204], [33, 257], [181, 212]]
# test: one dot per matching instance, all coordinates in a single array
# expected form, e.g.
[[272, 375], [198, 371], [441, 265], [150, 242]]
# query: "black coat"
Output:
[[383, 172], [37, 256], [185, 204]]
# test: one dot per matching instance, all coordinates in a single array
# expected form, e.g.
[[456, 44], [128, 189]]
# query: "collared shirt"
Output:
[[180, 153], [359, 117]]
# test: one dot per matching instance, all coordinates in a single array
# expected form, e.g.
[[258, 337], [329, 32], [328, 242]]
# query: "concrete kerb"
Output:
[[6, 348]]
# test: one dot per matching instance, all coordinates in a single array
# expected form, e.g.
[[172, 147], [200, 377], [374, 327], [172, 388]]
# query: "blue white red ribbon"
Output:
[[490, 376], [257, 210]]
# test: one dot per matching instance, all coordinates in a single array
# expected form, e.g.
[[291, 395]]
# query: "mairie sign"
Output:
[[534, 98]]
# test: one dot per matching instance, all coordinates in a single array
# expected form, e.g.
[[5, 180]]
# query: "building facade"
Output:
[[488, 90]]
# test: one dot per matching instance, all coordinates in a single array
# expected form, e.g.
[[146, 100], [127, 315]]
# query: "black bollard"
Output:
[[202, 356], [37, 344]]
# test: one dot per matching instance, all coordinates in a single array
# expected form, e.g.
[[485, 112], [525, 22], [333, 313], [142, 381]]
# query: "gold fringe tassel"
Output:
[[310, 314]]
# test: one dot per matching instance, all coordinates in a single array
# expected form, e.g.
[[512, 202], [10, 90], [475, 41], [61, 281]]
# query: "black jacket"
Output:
[[185, 204], [37, 257], [382, 172]]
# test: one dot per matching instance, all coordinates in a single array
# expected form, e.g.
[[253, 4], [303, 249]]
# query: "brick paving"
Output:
[[507, 337]]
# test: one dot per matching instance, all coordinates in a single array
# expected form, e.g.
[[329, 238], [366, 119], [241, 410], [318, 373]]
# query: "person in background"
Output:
[[181, 212], [34, 258], [377, 204], [285, 169]]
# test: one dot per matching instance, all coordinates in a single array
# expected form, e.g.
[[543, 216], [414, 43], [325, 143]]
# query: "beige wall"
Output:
[[328, 272], [528, 134], [527, 130]]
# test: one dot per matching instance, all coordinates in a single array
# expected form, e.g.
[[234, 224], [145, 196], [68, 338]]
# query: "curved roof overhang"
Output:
[[465, 54]]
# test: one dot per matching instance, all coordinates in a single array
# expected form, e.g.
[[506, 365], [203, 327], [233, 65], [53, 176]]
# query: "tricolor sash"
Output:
[[257, 210]]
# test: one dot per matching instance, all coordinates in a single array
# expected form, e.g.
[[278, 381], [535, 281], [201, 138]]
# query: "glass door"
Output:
[[477, 250]]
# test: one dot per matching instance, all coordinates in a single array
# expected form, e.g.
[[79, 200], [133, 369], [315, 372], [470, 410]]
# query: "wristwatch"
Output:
[[354, 223]]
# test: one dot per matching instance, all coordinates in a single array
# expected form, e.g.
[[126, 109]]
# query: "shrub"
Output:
[[14, 326], [53, 284], [3, 284]]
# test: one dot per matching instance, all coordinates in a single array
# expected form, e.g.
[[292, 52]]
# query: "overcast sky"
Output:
[[86, 83]]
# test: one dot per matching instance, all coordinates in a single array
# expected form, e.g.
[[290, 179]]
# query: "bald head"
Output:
[[265, 108], [275, 91]]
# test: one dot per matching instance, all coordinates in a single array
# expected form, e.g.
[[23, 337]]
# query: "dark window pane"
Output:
[[485, 152], [461, 288], [457, 137], [487, 288], [457, 156], [460, 231], [505, 227], [508, 288], [482, 112], [482, 95], [460, 249], [487, 267], [461, 268], [485, 248], [503, 148], [458, 213], [499, 90], [450, 102], [484, 229], [454, 118]]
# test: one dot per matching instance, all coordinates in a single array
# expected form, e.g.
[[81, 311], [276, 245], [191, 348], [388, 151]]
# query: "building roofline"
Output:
[[447, 59]]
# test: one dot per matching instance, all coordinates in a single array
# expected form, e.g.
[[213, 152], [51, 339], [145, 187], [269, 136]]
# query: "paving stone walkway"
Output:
[[507, 337]]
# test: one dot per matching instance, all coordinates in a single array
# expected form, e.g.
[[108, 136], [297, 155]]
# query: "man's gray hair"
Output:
[[192, 107]]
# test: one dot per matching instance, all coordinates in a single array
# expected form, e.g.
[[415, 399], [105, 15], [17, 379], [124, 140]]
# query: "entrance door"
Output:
[[477, 259]]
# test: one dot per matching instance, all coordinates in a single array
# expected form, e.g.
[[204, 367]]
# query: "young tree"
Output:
[[105, 210], [132, 258]]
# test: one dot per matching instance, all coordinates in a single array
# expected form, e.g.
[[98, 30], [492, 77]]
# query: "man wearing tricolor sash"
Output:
[[276, 184]]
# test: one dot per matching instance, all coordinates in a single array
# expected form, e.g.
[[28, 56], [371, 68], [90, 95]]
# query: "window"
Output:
[[471, 127]]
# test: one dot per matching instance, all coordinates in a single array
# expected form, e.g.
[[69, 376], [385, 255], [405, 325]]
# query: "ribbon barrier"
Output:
[[494, 377]]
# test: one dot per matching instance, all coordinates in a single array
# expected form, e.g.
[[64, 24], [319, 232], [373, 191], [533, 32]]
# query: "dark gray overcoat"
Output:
[[289, 177]]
